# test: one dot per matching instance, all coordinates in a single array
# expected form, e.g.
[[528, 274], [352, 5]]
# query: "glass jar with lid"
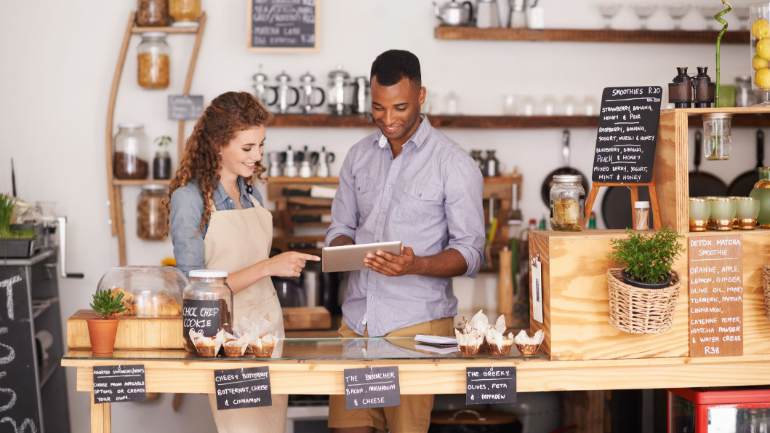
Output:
[[151, 215], [567, 200], [185, 12], [130, 156], [718, 139], [148, 291], [153, 64], [207, 305], [151, 13]]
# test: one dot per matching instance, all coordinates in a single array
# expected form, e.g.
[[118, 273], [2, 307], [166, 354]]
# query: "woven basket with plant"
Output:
[[643, 294]]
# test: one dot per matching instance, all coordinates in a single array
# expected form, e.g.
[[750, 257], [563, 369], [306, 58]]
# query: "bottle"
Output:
[[542, 224], [592, 221], [680, 89], [161, 163]]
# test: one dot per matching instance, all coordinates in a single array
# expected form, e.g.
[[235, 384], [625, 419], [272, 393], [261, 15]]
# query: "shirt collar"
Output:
[[419, 137], [221, 197]]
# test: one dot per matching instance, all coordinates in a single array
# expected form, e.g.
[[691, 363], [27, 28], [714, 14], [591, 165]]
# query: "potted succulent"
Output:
[[647, 258], [103, 329], [643, 294], [13, 242]]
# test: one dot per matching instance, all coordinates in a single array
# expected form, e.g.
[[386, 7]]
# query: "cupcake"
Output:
[[498, 343], [262, 347], [235, 347], [469, 343], [207, 347], [527, 345]]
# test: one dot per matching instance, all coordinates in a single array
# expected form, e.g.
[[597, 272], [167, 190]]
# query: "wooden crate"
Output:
[[576, 308], [166, 332]]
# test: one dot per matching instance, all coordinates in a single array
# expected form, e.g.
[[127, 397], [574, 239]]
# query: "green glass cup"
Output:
[[699, 214], [746, 212], [722, 213]]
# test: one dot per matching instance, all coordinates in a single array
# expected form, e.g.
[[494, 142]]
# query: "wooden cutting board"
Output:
[[166, 332]]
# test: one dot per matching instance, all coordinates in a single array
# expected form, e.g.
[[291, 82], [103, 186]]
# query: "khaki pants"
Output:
[[413, 414]]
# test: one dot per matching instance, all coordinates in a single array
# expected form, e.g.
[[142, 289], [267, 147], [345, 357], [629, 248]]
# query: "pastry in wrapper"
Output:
[[207, 347], [527, 345], [262, 347], [469, 343], [499, 344], [235, 346]]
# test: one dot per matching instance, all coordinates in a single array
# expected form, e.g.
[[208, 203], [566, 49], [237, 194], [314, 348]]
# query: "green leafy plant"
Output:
[[107, 304], [648, 258], [7, 204], [163, 141]]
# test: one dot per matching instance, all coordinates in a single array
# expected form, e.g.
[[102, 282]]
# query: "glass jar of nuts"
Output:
[[151, 214], [567, 201], [153, 61], [151, 13], [185, 12]]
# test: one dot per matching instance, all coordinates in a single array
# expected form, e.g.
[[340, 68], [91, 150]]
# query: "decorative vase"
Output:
[[761, 192]]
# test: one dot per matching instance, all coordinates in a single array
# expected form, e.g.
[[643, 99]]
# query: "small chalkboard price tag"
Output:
[[627, 135], [202, 316], [283, 24], [490, 385], [119, 383], [243, 387], [185, 107], [371, 387]]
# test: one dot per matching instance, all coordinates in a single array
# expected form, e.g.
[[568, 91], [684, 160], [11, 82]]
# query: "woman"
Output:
[[218, 222]]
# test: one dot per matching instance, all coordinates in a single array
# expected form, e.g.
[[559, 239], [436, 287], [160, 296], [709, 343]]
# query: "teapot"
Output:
[[454, 13]]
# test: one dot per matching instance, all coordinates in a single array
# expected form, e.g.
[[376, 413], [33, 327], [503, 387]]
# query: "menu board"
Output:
[[628, 132], [18, 376], [282, 24], [119, 383], [185, 107], [371, 387], [242, 387], [490, 385], [716, 296]]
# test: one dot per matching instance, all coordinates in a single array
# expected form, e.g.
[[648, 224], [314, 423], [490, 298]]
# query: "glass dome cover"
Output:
[[148, 291]]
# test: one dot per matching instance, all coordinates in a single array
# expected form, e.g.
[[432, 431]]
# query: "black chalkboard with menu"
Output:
[[628, 132], [18, 373], [283, 24]]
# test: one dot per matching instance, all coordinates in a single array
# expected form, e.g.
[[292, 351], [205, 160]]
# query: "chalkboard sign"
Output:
[[283, 24], [185, 107], [490, 385], [716, 295], [19, 397], [119, 383], [628, 132], [203, 316], [242, 387], [371, 387]]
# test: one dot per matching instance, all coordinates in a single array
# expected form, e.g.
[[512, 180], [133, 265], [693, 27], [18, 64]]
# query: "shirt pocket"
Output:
[[366, 194], [421, 203]]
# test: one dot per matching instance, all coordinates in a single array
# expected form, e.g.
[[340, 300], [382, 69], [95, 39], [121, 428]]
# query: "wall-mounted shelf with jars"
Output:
[[590, 35], [115, 181]]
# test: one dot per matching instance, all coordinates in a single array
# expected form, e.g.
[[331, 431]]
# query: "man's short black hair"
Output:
[[393, 65]]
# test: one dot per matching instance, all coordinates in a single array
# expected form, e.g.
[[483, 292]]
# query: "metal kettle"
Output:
[[360, 95], [324, 161], [454, 13], [306, 92], [338, 96], [261, 88], [282, 93]]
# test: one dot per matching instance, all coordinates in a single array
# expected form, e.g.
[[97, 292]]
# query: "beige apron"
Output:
[[236, 239]]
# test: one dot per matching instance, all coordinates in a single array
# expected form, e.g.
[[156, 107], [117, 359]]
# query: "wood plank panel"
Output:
[[671, 169], [439, 121]]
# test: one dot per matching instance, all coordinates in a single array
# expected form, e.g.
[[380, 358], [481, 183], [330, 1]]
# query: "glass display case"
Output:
[[718, 410], [148, 291]]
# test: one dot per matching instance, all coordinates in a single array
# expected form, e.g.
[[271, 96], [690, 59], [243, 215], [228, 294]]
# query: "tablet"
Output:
[[351, 257]]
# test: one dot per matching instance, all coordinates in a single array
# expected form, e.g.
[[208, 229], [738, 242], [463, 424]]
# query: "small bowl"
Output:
[[528, 349]]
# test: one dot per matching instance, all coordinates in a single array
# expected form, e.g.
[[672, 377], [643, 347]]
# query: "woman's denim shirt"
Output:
[[186, 214]]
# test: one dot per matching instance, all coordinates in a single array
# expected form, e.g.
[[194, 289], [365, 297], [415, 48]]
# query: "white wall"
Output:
[[57, 64]]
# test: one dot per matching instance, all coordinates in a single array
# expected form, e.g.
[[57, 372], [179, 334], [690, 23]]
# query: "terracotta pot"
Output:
[[102, 333]]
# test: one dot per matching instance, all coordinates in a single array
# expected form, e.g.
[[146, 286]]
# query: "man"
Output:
[[410, 183]]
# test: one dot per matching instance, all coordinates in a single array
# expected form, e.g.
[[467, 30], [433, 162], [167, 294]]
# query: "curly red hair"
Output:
[[228, 114]]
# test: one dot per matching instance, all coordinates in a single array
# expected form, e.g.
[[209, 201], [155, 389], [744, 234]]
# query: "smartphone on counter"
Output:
[[347, 258]]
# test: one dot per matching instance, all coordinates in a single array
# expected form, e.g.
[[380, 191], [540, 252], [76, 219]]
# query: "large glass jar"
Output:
[[207, 305], [185, 12], [567, 201], [151, 13], [130, 156], [148, 291], [761, 192], [153, 64], [717, 136], [759, 16], [151, 215]]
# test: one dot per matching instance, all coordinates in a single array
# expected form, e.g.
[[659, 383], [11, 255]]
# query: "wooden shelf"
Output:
[[142, 182], [590, 35], [167, 29], [442, 121]]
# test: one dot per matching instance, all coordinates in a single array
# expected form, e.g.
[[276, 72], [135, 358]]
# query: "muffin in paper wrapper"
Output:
[[499, 344], [235, 346], [469, 343], [207, 347], [527, 345], [262, 347]]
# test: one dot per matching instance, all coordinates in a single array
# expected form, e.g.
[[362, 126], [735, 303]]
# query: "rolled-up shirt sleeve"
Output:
[[465, 214], [344, 207], [186, 235]]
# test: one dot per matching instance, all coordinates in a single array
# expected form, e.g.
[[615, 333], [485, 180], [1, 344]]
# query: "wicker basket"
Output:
[[766, 287], [641, 311]]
